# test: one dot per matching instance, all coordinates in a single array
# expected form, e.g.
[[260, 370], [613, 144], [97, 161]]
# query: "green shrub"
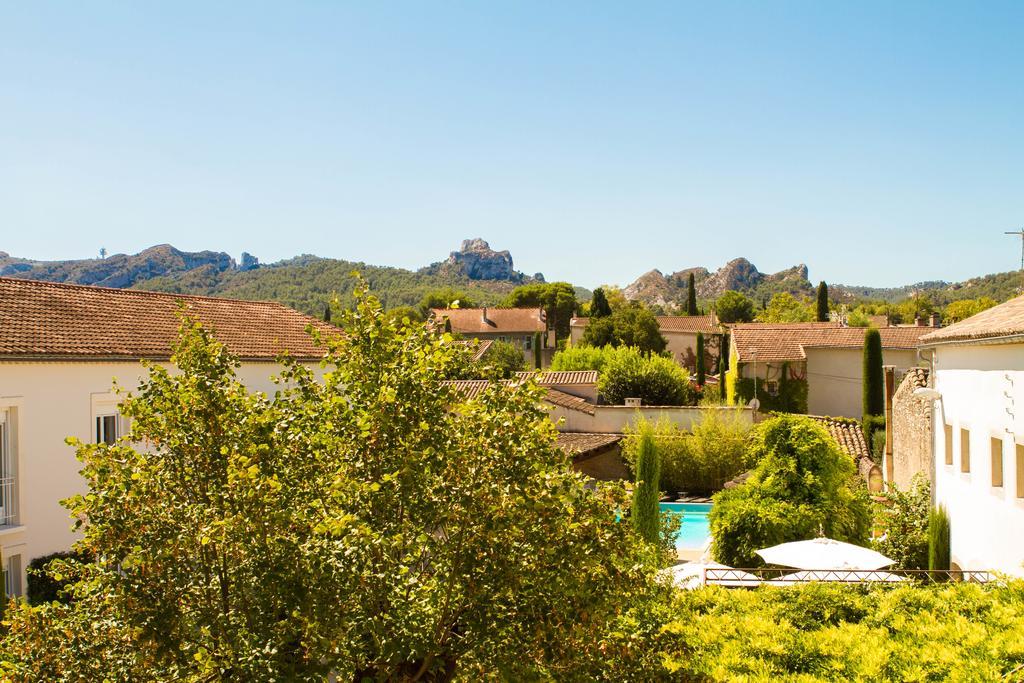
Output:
[[829, 632], [803, 484], [656, 380], [502, 360], [585, 357], [878, 445], [46, 581], [700, 461], [938, 539], [903, 518]]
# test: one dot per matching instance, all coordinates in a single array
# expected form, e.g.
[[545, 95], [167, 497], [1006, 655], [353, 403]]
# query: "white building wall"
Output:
[[982, 390], [834, 378], [49, 402]]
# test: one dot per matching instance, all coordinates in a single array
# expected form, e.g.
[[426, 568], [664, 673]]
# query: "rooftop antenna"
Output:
[[1021, 233]]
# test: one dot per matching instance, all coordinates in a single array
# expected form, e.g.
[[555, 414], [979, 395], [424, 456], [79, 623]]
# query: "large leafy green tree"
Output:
[[445, 298], [369, 522], [784, 308], [734, 307], [632, 325], [803, 485], [557, 298]]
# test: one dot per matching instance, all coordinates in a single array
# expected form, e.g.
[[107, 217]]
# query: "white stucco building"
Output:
[[61, 346], [977, 368]]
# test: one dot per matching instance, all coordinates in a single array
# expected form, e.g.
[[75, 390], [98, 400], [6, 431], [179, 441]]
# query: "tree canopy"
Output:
[[784, 308], [369, 521], [632, 325], [734, 307], [557, 298]]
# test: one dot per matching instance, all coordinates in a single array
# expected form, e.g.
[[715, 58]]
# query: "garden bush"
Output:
[[829, 632], [700, 461], [803, 484], [903, 518], [656, 380]]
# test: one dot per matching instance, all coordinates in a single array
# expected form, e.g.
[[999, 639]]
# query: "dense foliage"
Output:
[[965, 308], [828, 632], [790, 395], [658, 381], [784, 308], [903, 521], [938, 539], [632, 325], [599, 306], [502, 360], [803, 485], [48, 576], [373, 523], [700, 460], [734, 307], [557, 298]]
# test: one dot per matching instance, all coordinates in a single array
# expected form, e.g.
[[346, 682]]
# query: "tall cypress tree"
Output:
[[938, 539], [536, 350], [700, 359], [646, 515], [873, 390], [691, 297], [599, 306], [823, 316]]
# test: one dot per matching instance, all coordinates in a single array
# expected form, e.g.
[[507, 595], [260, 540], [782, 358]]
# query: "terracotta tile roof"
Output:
[[673, 323], [848, 434], [560, 398], [498, 320], [581, 445], [776, 343], [481, 349], [472, 388], [917, 378], [999, 321], [557, 377], [48, 320]]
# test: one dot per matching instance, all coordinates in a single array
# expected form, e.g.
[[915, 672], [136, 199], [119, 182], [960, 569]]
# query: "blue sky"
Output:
[[880, 143]]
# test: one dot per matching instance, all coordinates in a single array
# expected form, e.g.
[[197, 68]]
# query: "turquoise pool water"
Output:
[[694, 532]]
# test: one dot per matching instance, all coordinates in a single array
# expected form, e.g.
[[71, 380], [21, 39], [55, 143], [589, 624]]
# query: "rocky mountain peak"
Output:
[[478, 261]]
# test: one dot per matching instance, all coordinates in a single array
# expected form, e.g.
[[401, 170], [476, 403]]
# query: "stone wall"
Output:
[[911, 430]]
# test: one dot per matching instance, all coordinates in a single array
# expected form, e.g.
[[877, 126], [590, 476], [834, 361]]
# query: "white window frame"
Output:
[[104, 407], [8, 471], [13, 571]]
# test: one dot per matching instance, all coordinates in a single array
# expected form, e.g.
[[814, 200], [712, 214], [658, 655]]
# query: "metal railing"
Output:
[[8, 502], [748, 578]]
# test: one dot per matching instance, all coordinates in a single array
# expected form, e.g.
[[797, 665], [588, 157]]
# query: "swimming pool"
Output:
[[694, 532]]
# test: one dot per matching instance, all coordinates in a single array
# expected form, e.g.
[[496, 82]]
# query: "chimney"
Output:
[[935, 320], [919, 321], [714, 318], [483, 315]]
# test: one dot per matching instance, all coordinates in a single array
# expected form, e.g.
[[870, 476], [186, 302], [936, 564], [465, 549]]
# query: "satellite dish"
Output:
[[754, 404]]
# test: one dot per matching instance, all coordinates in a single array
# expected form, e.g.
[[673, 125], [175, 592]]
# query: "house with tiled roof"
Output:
[[521, 327], [975, 400], [680, 331], [849, 435], [60, 348], [811, 367]]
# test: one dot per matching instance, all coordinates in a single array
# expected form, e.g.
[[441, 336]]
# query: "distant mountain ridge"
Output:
[[670, 291], [309, 282]]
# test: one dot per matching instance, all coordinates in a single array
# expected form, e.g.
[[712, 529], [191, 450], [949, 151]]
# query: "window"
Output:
[[12, 577], [949, 444], [772, 387], [529, 343], [106, 429], [965, 450], [1020, 470], [997, 462], [8, 506]]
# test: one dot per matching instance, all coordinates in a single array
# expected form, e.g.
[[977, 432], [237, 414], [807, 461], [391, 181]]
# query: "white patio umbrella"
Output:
[[841, 576], [691, 575], [824, 553]]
